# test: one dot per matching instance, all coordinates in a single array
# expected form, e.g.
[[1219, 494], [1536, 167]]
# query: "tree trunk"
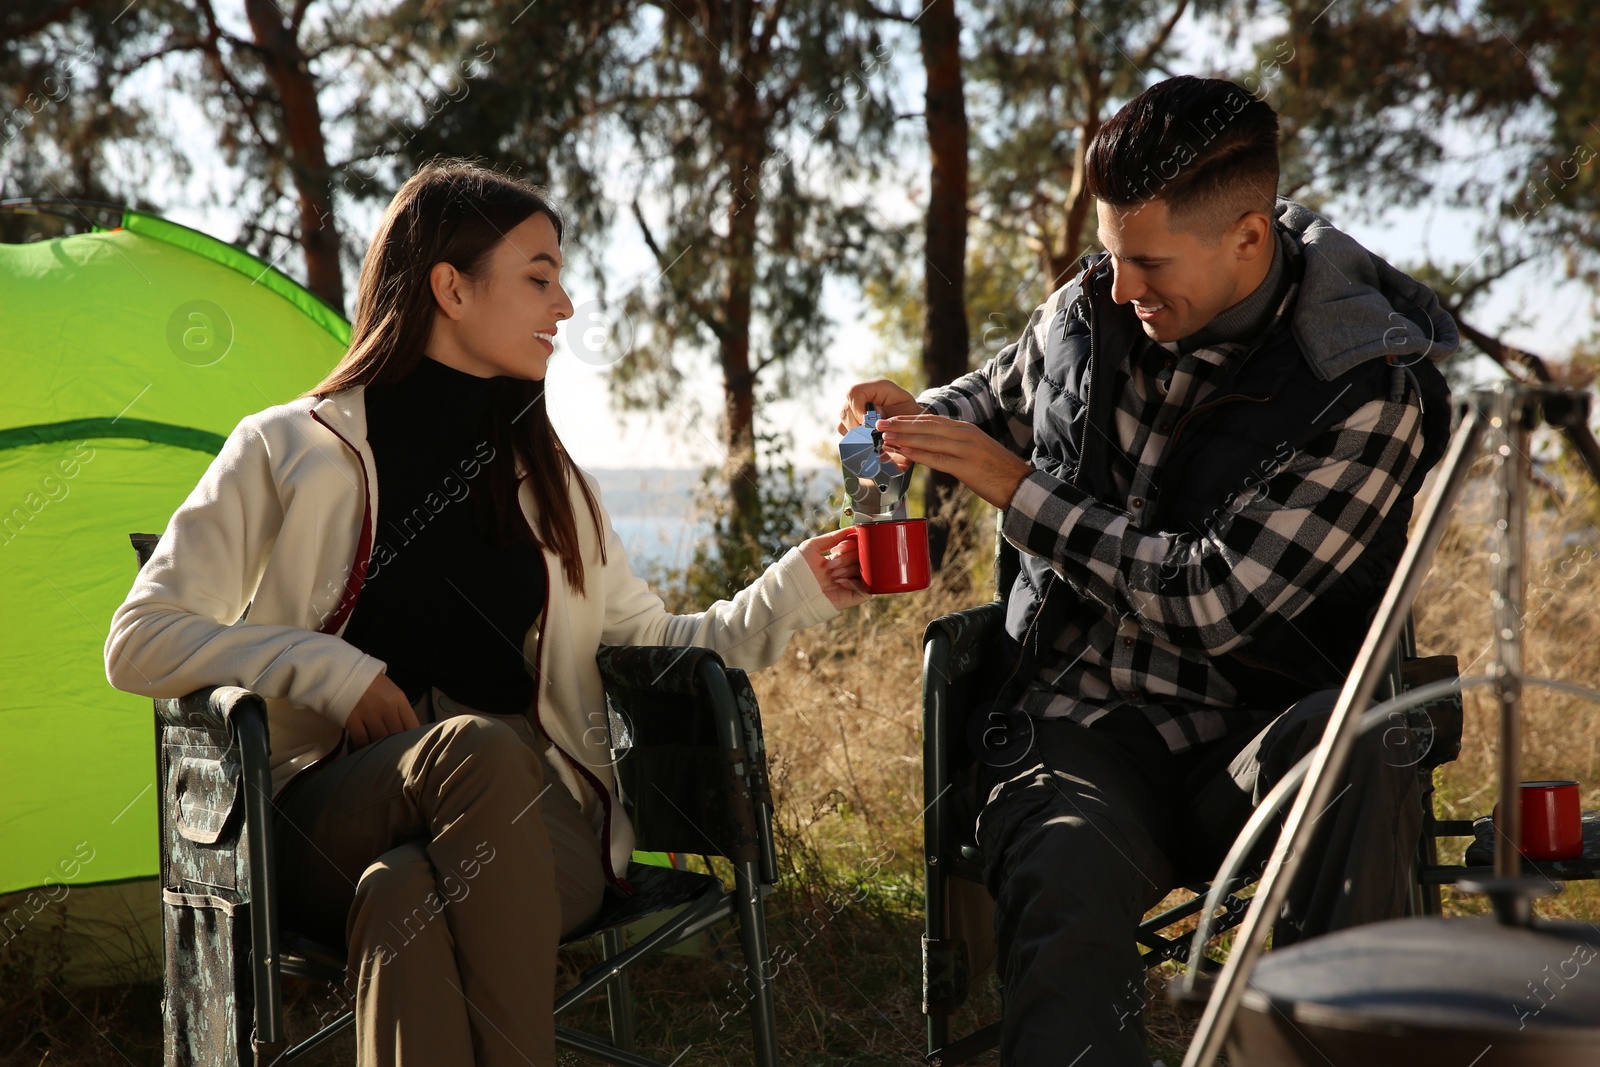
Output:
[[944, 324], [1063, 260], [748, 135], [308, 157]]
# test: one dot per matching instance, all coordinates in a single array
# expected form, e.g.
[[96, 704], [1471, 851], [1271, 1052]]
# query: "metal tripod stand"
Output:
[[1506, 415]]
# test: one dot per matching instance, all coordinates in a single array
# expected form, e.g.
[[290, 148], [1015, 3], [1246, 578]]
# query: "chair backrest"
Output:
[[690, 757], [952, 685], [144, 544]]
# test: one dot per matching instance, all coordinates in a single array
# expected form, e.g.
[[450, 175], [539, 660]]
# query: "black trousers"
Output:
[[1096, 824]]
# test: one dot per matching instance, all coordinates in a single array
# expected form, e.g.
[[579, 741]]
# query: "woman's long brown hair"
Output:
[[456, 211]]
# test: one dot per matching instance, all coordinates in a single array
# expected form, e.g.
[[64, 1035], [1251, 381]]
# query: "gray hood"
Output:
[[1353, 306]]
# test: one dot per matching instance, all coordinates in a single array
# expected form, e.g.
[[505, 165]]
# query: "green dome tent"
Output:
[[127, 355]]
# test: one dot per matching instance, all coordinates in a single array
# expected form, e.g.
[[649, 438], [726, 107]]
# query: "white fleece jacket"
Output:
[[277, 524]]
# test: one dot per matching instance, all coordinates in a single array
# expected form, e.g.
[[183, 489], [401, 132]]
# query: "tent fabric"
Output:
[[128, 355], [258, 272]]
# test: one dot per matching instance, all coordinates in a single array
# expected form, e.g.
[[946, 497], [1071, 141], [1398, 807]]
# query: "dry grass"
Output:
[[1561, 640], [842, 714]]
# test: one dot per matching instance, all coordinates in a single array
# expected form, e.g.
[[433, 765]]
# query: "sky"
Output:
[[1529, 308]]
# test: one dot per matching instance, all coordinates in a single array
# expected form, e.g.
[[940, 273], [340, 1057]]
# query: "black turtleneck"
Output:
[[444, 604]]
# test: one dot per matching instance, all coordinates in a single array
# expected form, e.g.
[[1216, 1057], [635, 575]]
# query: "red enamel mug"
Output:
[[894, 555], [1552, 821]]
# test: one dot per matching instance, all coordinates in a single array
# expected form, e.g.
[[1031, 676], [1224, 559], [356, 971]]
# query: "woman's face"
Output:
[[502, 320]]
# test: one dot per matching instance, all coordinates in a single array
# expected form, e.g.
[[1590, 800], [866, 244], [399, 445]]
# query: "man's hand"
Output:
[[382, 710], [960, 449], [887, 397], [832, 558]]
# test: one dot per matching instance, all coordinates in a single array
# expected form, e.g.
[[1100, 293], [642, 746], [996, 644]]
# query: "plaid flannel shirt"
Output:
[[1284, 539]]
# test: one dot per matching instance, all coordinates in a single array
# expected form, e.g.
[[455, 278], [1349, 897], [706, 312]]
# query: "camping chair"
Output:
[[686, 734], [953, 682]]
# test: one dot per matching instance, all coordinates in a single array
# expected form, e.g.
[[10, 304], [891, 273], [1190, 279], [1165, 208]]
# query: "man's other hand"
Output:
[[959, 449], [887, 397]]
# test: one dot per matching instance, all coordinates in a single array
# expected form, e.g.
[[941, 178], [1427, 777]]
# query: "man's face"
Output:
[[1176, 280]]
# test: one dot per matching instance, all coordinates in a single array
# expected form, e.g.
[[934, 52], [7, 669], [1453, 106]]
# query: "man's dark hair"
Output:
[[1204, 146]]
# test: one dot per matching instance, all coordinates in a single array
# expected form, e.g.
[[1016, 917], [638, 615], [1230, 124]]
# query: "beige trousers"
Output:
[[451, 860]]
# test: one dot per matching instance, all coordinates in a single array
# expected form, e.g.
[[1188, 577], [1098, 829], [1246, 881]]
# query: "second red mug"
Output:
[[1552, 821], [894, 555]]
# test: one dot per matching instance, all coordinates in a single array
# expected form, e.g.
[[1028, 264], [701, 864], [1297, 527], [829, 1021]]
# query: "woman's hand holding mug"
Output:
[[834, 561]]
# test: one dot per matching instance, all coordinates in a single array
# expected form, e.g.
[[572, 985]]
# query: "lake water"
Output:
[[657, 513]]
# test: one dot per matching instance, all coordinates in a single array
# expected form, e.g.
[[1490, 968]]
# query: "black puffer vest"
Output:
[[1272, 404]]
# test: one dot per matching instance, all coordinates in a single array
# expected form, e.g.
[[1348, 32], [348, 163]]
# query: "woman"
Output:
[[428, 578]]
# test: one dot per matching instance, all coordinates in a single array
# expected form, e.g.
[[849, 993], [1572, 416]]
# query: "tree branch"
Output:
[[252, 229], [1503, 353], [336, 42], [173, 47], [695, 305], [889, 16], [1160, 39], [241, 43], [1462, 297], [608, 104], [763, 42], [50, 17], [376, 153], [246, 99], [763, 365]]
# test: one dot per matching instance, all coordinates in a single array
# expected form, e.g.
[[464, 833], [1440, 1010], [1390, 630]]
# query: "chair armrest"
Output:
[[660, 668], [968, 634], [216, 707]]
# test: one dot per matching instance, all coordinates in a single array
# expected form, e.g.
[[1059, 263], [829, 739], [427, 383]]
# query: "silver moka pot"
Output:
[[893, 549], [875, 489]]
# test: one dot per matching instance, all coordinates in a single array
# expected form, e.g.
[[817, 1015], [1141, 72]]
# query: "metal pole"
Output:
[[753, 940], [248, 718], [1513, 413], [746, 875], [1338, 738], [935, 745], [619, 994]]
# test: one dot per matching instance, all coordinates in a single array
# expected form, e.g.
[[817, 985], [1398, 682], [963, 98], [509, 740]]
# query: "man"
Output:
[[1206, 448]]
